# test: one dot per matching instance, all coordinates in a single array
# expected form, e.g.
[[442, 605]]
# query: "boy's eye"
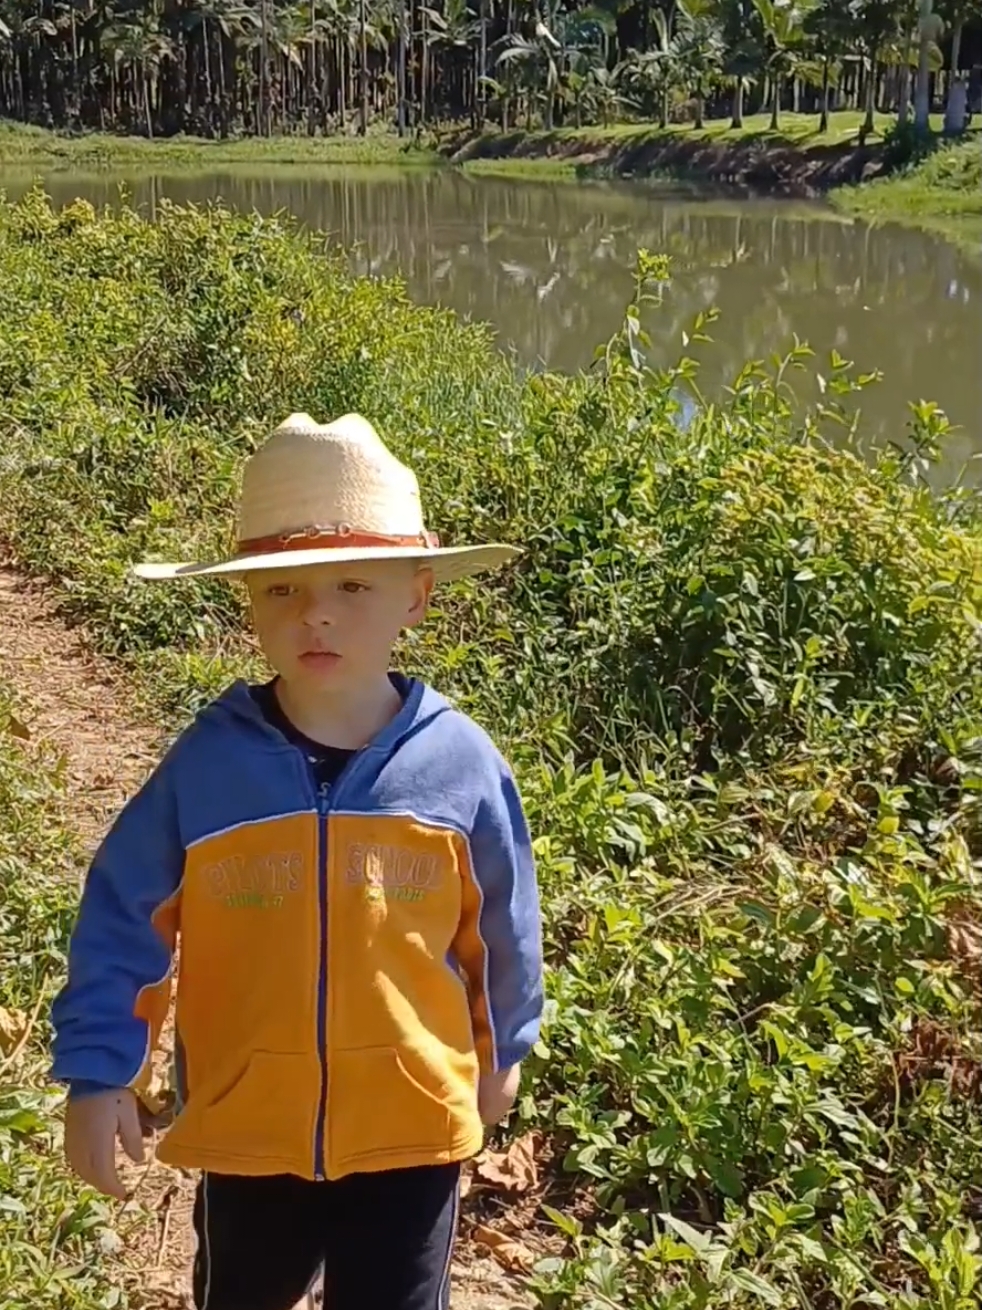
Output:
[[352, 587], [280, 589]]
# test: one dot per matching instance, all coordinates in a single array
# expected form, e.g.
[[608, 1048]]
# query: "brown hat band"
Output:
[[336, 537]]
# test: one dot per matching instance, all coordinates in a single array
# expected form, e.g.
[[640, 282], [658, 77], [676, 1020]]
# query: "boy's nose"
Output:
[[319, 610]]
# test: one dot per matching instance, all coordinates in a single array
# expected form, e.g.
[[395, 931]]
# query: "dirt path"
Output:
[[77, 702]]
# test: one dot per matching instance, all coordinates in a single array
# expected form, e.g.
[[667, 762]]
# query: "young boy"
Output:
[[345, 861]]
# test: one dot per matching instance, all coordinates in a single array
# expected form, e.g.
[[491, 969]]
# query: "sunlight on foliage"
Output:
[[736, 667]]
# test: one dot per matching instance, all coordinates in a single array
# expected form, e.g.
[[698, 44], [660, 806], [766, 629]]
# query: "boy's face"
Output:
[[332, 626]]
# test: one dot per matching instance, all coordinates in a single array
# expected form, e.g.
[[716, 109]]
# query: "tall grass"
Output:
[[737, 671]]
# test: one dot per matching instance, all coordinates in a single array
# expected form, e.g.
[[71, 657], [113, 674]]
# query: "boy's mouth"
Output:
[[319, 659]]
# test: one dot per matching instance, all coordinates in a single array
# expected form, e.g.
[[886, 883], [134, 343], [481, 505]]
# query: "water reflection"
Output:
[[550, 266]]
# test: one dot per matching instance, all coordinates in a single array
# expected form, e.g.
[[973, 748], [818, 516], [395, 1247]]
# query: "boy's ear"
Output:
[[423, 581]]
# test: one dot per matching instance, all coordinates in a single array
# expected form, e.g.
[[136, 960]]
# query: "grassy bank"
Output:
[[736, 670], [942, 193], [635, 147], [31, 147]]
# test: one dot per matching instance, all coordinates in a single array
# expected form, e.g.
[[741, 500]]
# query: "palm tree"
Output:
[[138, 50], [659, 71], [455, 30], [784, 30], [700, 50], [280, 65], [540, 57], [876, 28], [827, 29]]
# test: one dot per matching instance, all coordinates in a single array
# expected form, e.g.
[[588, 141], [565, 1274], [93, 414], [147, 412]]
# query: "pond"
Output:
[[549, 265]]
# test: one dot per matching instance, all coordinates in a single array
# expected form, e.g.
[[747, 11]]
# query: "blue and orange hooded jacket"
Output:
[[350, 960]]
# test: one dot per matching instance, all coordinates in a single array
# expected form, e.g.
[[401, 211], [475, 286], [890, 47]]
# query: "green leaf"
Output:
[[565, 1223], [727, 1176], [700, 1242], [760, 1288]]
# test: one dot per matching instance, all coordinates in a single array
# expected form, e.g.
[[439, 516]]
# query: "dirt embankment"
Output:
[[756, 160]]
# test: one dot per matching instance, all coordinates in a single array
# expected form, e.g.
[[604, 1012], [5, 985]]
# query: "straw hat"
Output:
[[316, 493]]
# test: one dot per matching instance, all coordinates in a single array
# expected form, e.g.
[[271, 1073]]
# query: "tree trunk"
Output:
[[339, 57], [700, 108], [954, 113], [957, 28], [823, 122], [869, 122], [736, 120], [903, 83], [76, 92], [145, 82], [401, 68], [312, 71], [482, 86], [776, 103], [223, 114], [424, 71], [922, 90], [263, 71], [363, 71], [954, 118], [206, 63]]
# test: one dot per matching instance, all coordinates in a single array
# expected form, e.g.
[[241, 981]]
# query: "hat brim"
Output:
[[448, 562]]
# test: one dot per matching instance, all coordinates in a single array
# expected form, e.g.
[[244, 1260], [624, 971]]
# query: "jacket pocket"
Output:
[[384, 1101], [269, 1112]]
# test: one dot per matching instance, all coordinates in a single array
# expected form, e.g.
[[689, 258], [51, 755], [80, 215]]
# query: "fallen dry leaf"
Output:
[[17, 729], [13, 1026], [513, 1170], [965, 939], [509, 1253]]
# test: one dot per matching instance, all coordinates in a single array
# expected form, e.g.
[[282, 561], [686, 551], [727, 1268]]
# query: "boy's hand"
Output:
[[92, 1125], [496, 1094]]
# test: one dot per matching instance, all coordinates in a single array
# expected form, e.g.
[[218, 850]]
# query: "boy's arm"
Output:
[[109, 1013], [499, 941]]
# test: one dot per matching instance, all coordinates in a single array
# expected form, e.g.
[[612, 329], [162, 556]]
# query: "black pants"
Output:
[[385, 1240]]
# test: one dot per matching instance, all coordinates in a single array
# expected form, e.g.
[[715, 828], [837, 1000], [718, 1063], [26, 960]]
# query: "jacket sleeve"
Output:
[[108, 1015], [499, 941]]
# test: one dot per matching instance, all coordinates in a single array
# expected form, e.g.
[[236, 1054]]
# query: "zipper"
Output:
[[324, 794], [323, 805]]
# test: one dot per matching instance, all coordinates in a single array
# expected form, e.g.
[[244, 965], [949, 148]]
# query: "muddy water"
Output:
[[549, 265]]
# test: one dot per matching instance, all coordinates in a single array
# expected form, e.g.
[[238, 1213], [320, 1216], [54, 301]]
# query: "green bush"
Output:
[[55, 1236], [736, 667]]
